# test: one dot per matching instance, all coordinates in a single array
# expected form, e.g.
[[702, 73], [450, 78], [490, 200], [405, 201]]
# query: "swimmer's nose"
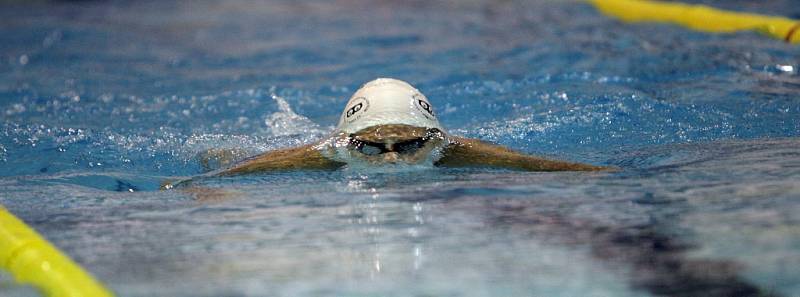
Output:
[[391, 157]]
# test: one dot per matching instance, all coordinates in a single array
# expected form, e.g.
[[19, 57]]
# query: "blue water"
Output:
[[101, 101]]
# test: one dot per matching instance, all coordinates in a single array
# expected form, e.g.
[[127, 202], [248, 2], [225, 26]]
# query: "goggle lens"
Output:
[[406, 147]]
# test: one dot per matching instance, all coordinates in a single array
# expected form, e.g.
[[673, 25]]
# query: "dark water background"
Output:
[[102, 100]]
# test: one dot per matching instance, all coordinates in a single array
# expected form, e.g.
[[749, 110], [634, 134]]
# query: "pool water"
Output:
[[101, 101]]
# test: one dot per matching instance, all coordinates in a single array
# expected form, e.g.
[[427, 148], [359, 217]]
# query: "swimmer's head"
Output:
[[395, 144], [387, 101], [387, 121]]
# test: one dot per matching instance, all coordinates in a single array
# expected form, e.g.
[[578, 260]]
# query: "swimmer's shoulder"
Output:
[[305, 157], [469, 152], [308, 157]]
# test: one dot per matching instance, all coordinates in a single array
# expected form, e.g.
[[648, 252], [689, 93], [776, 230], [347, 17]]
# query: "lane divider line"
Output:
[[793, 30], [700, 17], [33, 260]]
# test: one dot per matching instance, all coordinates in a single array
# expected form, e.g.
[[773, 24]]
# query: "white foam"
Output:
[[286, 122]]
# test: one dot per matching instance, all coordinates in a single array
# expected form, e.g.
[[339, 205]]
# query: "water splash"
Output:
[[285, 122]]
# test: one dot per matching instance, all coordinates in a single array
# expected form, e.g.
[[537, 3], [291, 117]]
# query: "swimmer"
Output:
[[387, 122]]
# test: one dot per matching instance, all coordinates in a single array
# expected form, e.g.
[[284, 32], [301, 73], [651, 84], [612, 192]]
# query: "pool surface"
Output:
[[101, 101]]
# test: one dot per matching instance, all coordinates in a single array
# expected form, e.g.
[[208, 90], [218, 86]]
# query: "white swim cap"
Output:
[[387, 101]]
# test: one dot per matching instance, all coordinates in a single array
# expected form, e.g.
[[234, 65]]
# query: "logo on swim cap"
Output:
[[423, 106], [357, 107]]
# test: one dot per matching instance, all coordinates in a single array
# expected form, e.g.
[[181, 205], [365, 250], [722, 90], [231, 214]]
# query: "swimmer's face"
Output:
[[395, 144]]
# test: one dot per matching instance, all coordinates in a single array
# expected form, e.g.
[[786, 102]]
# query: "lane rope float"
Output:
[[700, 17], [33, 260]]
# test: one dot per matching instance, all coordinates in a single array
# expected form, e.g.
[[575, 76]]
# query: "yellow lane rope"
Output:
[[32, 260], [700, 17]]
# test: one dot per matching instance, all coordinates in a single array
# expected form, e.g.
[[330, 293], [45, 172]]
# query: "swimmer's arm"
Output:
[[303, 157], [217, 158], [465, 152]]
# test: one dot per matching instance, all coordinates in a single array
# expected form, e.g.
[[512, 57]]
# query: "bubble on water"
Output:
[[16, 108], [52, 38], [106, 98], [517, 128], [785, 68]]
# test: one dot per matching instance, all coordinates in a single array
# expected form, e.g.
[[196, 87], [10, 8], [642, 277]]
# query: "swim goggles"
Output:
[[407, 147]]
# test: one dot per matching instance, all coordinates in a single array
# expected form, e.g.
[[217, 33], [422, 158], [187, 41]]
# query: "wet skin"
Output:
[[390, 144], [394, 144]]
